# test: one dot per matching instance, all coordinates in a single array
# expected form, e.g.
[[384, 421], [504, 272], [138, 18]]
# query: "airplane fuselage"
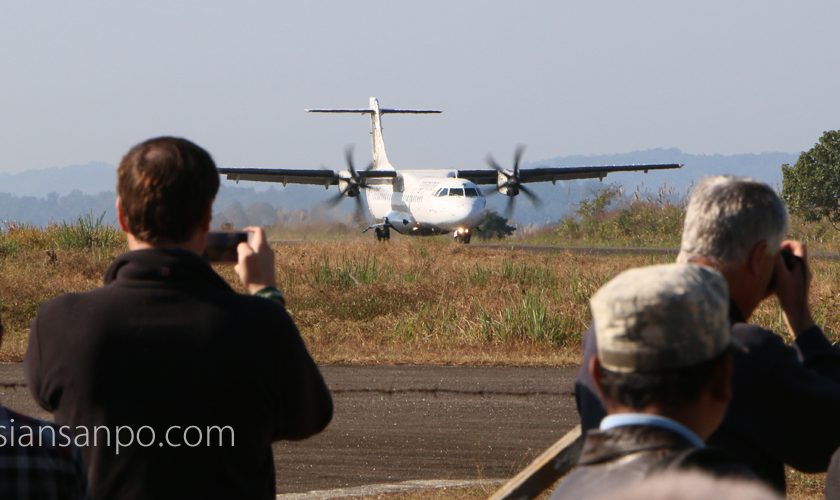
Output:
[[423, 202]]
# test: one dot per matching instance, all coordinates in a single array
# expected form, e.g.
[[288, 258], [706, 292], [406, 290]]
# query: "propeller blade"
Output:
[[332, 201], [517, 157], [359, 215], [492, 162], [535, 200], [509, 207], [348, 157]]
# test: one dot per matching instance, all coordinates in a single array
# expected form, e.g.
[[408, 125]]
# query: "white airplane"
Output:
[[424, 202]]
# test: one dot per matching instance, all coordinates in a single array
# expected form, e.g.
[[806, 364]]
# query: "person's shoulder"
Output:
[[37, 460], [15, 421], [711, 460], [753, 336], [73, 299], [62, 303]]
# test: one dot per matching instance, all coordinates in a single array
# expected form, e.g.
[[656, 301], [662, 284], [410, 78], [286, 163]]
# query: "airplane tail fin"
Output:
[[380, 157]]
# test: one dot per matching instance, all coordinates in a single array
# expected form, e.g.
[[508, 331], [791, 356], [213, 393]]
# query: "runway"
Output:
[[411, 425]]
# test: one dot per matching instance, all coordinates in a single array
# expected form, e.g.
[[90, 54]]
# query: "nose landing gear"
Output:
[[462, 235]]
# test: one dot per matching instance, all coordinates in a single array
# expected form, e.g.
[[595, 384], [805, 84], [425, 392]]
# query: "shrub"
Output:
[[86, 233]]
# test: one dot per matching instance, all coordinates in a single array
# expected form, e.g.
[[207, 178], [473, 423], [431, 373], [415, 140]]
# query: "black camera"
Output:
[[790, 263], [221, 245]]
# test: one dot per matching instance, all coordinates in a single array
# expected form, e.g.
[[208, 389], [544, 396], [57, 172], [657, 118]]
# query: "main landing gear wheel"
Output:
[[382, 234]]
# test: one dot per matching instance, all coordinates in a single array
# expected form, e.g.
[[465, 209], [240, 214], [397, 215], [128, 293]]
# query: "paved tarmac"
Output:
[[406, 423]]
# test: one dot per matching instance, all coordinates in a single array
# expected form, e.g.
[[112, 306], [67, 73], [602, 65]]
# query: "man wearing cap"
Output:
[[663, 367], [786, 404]]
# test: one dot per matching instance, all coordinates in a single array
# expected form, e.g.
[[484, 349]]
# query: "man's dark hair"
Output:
[[166, 185], [675, 387]]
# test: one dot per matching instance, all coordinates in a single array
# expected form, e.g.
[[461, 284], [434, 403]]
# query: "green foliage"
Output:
[[596, 208], [479, 276], [495, 226], [16, 237], [811, 187], [86, 233], [528, 320], [8, 245], [610, 218]]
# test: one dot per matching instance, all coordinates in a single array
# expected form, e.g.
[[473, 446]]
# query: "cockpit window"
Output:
[[456, 191], [471, 192], [441, 192]]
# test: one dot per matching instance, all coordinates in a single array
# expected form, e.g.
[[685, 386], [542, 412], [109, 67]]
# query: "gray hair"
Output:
[[726, 216]]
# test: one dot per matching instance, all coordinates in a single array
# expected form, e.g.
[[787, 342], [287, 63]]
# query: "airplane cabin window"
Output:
[[471, 192], [456, 192]]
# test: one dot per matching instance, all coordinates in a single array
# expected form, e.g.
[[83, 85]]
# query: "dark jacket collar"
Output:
[[173, 265], [609, 445]]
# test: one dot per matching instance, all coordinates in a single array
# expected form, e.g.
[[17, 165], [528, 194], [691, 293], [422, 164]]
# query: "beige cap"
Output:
[[661, 317]]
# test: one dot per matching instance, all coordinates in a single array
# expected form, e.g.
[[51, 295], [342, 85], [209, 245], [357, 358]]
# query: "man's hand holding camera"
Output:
[[792, 282], [255, 267]]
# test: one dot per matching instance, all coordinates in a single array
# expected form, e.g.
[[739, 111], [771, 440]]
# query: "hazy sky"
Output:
[[82, 81]]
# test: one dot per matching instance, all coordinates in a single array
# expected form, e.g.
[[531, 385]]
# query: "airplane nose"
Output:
[[477, 210]]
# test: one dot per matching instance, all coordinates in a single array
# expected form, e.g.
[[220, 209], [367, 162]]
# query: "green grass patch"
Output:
[[86, 233]]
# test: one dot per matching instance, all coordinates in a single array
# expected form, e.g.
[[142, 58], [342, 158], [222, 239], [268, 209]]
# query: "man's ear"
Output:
[[121, 219], [208, 216], [756, 256], [595, 370]]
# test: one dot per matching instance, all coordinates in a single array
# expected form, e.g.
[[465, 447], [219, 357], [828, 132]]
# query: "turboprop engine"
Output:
[[509, 182]]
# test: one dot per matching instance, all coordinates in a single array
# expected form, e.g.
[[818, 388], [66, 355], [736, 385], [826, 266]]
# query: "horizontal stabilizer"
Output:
[[381, 111], [362, 111], [409, 111]]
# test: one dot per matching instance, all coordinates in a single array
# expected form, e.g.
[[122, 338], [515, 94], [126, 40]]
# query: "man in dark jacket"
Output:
[[174, 384], [787, 397], [663, 367]]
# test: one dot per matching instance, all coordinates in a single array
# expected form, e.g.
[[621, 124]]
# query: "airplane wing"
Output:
[[319, 177], [543, 174]]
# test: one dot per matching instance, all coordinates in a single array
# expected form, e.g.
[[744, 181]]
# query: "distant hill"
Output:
[[761, 166], [64, 193], [92, 178]]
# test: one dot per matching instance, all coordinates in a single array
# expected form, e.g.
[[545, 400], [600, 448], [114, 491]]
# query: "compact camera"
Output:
[[790, 263], [221, 245]]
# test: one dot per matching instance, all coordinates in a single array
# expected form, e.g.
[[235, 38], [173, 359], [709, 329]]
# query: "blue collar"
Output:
[[622, 419]]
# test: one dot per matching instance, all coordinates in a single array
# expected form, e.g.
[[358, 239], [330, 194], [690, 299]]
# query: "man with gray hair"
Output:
[[663, 367], [786, 404]]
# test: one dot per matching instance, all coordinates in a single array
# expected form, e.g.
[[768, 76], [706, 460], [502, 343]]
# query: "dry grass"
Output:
[[467, 493], [410, 301], [422, 301], [801, 486]]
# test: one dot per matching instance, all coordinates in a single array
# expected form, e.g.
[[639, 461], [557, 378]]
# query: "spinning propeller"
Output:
[[350, 183], [510, 181]]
